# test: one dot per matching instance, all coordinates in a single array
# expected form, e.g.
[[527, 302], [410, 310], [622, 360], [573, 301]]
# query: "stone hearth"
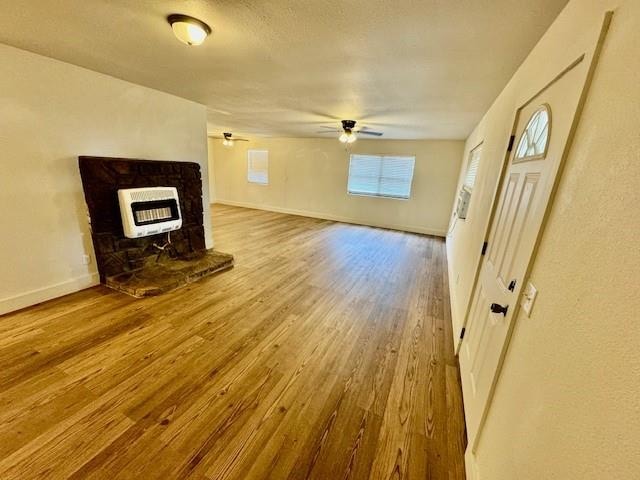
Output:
[[163, 274]]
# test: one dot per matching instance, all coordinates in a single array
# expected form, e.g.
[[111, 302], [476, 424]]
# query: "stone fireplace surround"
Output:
[[134, 265]]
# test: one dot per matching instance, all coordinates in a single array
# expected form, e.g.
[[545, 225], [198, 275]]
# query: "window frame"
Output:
[[378, 195], [249, 169]]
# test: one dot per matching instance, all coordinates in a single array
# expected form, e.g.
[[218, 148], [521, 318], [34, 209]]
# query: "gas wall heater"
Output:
[[149, 211]]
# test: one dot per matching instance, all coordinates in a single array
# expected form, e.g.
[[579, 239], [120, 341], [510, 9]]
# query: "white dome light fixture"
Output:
[[189, 30]]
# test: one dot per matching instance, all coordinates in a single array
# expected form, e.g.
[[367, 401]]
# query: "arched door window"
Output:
[[535, 138]]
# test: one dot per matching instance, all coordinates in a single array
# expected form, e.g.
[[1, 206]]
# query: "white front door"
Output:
[[543, 126]]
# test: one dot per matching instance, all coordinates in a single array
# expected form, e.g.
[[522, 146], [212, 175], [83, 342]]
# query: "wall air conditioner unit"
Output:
[[464, 197], [149, 211]]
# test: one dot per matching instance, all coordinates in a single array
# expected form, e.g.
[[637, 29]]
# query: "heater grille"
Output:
[[150, 194], [153, 215]]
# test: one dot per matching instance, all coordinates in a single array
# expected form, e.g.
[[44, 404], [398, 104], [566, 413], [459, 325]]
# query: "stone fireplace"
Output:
[[156, 262]]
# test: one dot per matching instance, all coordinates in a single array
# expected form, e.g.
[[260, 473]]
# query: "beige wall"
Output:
[[51, 112], [566, 39], [308, 176], [567, 404]]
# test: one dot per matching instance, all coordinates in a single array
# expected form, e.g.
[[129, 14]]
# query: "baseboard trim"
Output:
[[335, 218], [43, 294], [452, 300]]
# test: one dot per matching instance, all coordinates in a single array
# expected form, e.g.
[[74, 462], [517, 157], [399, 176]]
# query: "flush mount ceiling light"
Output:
[[188, 30]]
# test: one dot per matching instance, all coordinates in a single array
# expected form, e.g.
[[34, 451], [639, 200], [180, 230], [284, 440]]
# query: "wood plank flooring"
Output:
[[326, 353]]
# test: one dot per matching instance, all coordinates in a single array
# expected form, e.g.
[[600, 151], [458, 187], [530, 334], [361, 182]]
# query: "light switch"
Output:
[[528, 297]]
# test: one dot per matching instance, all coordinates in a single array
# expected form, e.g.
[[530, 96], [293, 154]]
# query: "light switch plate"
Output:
[[528, 298]]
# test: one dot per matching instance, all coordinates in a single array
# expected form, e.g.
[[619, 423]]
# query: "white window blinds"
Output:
[[258, 166], [472, 167], [381, 175]]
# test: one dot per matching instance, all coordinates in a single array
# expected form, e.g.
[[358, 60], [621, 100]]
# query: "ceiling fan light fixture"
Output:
[[228, 140], [347, 137], [189, 30]]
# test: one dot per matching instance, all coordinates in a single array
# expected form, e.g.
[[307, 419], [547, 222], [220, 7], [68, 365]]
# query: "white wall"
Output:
[[567, 404], [308, 176], [212, 178], [50, 113]]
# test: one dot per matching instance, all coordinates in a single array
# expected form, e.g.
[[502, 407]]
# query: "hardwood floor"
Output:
[[326, 353]]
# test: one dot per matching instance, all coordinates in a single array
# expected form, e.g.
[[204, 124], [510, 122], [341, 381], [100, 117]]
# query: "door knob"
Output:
[[497, 308]]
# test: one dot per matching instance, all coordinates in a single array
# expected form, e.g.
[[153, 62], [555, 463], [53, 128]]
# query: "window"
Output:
[[381, 175], [534, 139], [472, 167], [258, 166]]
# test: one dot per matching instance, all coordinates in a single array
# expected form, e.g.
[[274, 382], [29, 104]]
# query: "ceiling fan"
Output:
[[227, 139], [348, 132]]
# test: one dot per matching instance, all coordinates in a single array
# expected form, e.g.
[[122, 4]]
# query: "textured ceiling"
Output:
[[412, 69]]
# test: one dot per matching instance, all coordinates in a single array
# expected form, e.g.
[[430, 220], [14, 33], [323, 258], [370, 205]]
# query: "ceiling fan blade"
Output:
[[329, 128], [329, 131], [369, 132], [218, 137]]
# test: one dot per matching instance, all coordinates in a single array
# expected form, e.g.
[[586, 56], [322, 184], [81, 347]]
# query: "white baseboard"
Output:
[[47, 293], [454, 304], [335, 218]]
